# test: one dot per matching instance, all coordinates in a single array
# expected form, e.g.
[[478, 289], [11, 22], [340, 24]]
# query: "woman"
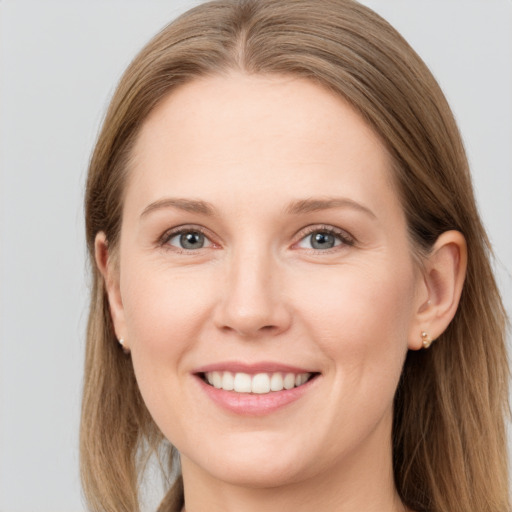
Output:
[[282, 222]]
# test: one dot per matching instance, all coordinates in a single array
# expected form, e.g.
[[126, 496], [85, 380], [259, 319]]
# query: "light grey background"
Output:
[[59, 62]]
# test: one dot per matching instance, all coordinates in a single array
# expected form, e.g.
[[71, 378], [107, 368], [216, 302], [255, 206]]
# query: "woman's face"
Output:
[[263, 244]]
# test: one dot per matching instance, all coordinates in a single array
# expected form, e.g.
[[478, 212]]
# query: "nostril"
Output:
[[252, 331], [251, 318]]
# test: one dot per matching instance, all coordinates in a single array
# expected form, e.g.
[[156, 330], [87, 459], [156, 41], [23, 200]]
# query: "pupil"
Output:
[[322, 241], [192, 240]]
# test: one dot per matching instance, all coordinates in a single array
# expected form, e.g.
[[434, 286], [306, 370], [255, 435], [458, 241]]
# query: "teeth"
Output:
[[289, 381], [228, 381], [217, 380], [261, 383], [276, 382], [242, 383]]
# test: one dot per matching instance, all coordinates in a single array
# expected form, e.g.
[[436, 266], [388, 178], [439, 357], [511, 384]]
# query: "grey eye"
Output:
[[322, 241], [319, 240], [189, 240]]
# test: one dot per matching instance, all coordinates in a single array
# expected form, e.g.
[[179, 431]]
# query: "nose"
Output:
[[253, 302]]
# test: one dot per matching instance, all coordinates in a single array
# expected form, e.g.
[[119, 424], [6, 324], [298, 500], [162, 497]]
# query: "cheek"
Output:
[[359, 320], [360, 317], [165, 311], [164, 308]]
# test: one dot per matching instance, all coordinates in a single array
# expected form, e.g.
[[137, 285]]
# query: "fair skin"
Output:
[[262, 233]]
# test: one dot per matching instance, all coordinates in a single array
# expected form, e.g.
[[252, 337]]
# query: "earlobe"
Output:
[[443, 275], [110, 272]]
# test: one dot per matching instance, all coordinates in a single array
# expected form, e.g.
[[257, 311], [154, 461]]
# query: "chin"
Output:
[[257, 475], [254, 465]]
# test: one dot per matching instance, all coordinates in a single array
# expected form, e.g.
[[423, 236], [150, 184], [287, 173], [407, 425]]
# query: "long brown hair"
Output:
[[449, 440]]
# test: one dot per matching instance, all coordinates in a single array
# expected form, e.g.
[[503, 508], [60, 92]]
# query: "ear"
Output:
[[443, 277], [110, 271]]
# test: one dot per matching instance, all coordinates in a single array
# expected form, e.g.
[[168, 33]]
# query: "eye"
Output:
[[187, 239], [324, 239]]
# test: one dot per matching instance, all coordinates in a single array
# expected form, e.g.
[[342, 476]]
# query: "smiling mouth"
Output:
[[259, 383]]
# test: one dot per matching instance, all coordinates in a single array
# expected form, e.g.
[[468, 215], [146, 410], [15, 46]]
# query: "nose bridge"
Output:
[[252, 301]]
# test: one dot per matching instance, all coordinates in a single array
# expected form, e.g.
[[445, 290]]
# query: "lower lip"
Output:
[[251, 404]]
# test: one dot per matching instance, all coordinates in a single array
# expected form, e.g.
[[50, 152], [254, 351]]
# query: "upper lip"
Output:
[[251, 368]]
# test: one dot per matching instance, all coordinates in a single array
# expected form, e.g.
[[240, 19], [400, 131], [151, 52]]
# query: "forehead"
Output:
[[242, 134]]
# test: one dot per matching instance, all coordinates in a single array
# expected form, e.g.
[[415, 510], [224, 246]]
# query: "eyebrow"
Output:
[[301, 206], [188, 205], [318, 204]]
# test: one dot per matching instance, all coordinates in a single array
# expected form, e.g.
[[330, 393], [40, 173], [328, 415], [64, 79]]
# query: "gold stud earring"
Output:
[[426, 339]]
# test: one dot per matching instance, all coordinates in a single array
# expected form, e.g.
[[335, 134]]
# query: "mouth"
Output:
[[256, 389], [258, 383]]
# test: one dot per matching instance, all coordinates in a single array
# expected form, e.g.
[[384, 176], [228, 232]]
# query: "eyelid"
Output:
[[163, 240], [346, 238]]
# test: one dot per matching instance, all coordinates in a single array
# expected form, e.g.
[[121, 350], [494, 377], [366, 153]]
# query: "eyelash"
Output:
[[345, 238], [163, 241]]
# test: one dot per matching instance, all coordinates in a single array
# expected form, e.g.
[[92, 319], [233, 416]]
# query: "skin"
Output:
[[251, 146]]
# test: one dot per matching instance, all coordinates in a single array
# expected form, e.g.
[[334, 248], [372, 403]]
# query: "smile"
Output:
[[255, 389], [260, 383]]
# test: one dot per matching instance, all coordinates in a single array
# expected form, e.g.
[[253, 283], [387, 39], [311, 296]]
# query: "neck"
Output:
[[299, 498]]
